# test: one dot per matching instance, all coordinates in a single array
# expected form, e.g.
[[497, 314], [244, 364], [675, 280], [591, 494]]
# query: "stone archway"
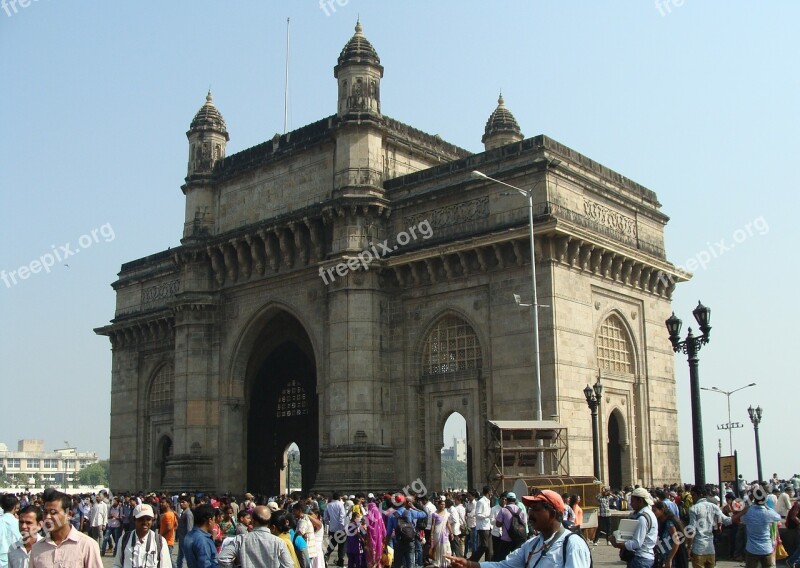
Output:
[[614, 451], [282, 404]]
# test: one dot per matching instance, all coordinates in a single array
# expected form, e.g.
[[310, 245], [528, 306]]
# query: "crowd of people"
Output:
[[674, 526]]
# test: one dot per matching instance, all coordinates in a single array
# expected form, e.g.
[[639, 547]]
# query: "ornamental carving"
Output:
[[451, 215], [610, 218], [159, 292]]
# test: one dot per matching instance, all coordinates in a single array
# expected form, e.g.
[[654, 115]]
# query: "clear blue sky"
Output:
[[698, 102]]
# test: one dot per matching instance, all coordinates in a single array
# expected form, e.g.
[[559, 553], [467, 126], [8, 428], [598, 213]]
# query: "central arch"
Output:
[[282, 404], [614, 450]]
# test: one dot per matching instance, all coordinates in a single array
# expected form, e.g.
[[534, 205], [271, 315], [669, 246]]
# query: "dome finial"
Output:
[[209, 98], [500, 100], [359, 29]]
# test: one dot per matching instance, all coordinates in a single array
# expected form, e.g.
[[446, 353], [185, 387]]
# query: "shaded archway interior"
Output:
[[614, 451], [282, 405], [164, 451]]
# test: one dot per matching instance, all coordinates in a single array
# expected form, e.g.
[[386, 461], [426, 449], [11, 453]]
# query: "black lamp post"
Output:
[[755, 418], [691, 346], [593, 396]]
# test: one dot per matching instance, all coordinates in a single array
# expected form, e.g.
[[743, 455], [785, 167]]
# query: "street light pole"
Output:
[[691, 346], [755, 418], [593, 396], [730, 425], [528, 193]]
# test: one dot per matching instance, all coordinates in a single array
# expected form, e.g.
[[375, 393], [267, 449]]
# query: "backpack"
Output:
[[406, 532], [518, 531], [127, 538]]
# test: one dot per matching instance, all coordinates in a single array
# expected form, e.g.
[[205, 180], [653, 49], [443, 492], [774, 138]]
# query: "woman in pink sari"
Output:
[[377, 534]]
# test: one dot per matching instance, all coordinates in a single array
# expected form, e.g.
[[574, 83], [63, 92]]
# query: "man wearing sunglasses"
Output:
[[553, 547]]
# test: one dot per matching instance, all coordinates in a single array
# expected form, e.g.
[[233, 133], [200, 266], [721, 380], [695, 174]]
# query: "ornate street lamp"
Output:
[[593, 395], [755, 418], [691, 346]]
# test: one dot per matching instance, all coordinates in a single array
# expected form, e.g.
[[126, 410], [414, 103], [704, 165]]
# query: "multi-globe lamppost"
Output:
[[593, 395], [691, 346], [755, 418]]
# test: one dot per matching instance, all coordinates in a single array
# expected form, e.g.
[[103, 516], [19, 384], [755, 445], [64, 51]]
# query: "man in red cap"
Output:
[[554, 547]]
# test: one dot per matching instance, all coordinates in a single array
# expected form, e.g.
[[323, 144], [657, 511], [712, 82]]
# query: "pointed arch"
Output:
[[615, 350], [450, 345], [161, 392]]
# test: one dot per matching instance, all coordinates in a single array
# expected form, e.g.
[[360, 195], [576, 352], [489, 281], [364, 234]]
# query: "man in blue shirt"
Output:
[[704, 518], [337, 519], [554, 547], [405, 540], [758, 518], [9, 526], [198, 546]]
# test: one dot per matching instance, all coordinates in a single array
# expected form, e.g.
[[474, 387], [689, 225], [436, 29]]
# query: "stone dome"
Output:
[[359, 50], [501, 121], [209, 118]]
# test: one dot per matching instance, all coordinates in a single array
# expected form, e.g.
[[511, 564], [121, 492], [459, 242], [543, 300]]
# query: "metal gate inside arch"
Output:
[[283, 408]]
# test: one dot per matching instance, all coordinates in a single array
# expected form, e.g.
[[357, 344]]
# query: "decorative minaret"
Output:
[[207, 136], [359, 73], [359, 137], [501, 128]]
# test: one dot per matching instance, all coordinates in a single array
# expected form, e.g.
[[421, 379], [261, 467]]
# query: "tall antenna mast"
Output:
[[286, 83]]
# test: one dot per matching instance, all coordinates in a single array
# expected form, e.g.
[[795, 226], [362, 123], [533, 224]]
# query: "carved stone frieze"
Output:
[[450, 215], [609, 218]]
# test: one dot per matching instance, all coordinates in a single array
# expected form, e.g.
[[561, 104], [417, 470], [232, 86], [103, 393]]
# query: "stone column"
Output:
[[196, 394]]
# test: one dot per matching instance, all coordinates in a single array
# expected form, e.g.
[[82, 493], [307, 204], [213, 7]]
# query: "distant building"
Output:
[[54, 466], [458, 451]]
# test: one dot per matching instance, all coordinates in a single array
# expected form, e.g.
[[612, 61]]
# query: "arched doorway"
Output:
[[282, 406], [292, 480], [455, 466], [614, 450]]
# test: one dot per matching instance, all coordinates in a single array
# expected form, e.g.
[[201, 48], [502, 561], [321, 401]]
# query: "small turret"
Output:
[[359, 73], [207, 138], [501, 128]]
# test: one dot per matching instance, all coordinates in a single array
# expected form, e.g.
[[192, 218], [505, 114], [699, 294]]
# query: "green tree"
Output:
[[93, 474], [454, 474]]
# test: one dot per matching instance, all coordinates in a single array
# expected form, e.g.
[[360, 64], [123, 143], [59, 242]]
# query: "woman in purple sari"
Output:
[[377, 534]]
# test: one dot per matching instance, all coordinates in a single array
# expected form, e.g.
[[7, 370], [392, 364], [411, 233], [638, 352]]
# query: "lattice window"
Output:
[[614, 351], [162, 389], [292, 400], [451, 346]]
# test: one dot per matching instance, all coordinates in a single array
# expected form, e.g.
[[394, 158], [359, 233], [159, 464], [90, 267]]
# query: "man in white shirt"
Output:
[[98, 517], [458, 524], [142, 547], [472, 534], [483, 524], [30, 523], [784, 501]]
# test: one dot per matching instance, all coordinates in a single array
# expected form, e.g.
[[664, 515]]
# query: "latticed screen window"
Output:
[[451, 346], [292, 400], [162, 390], [614, 351]]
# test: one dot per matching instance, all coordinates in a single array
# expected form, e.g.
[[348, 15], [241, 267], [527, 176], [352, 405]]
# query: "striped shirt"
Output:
[[257, 549]]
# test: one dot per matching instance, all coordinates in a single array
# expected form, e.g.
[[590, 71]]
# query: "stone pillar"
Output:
[[351, 397], [196, 423], [125, 472]]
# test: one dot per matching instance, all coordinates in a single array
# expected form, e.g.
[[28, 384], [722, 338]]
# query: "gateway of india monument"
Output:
[[349, 285]]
